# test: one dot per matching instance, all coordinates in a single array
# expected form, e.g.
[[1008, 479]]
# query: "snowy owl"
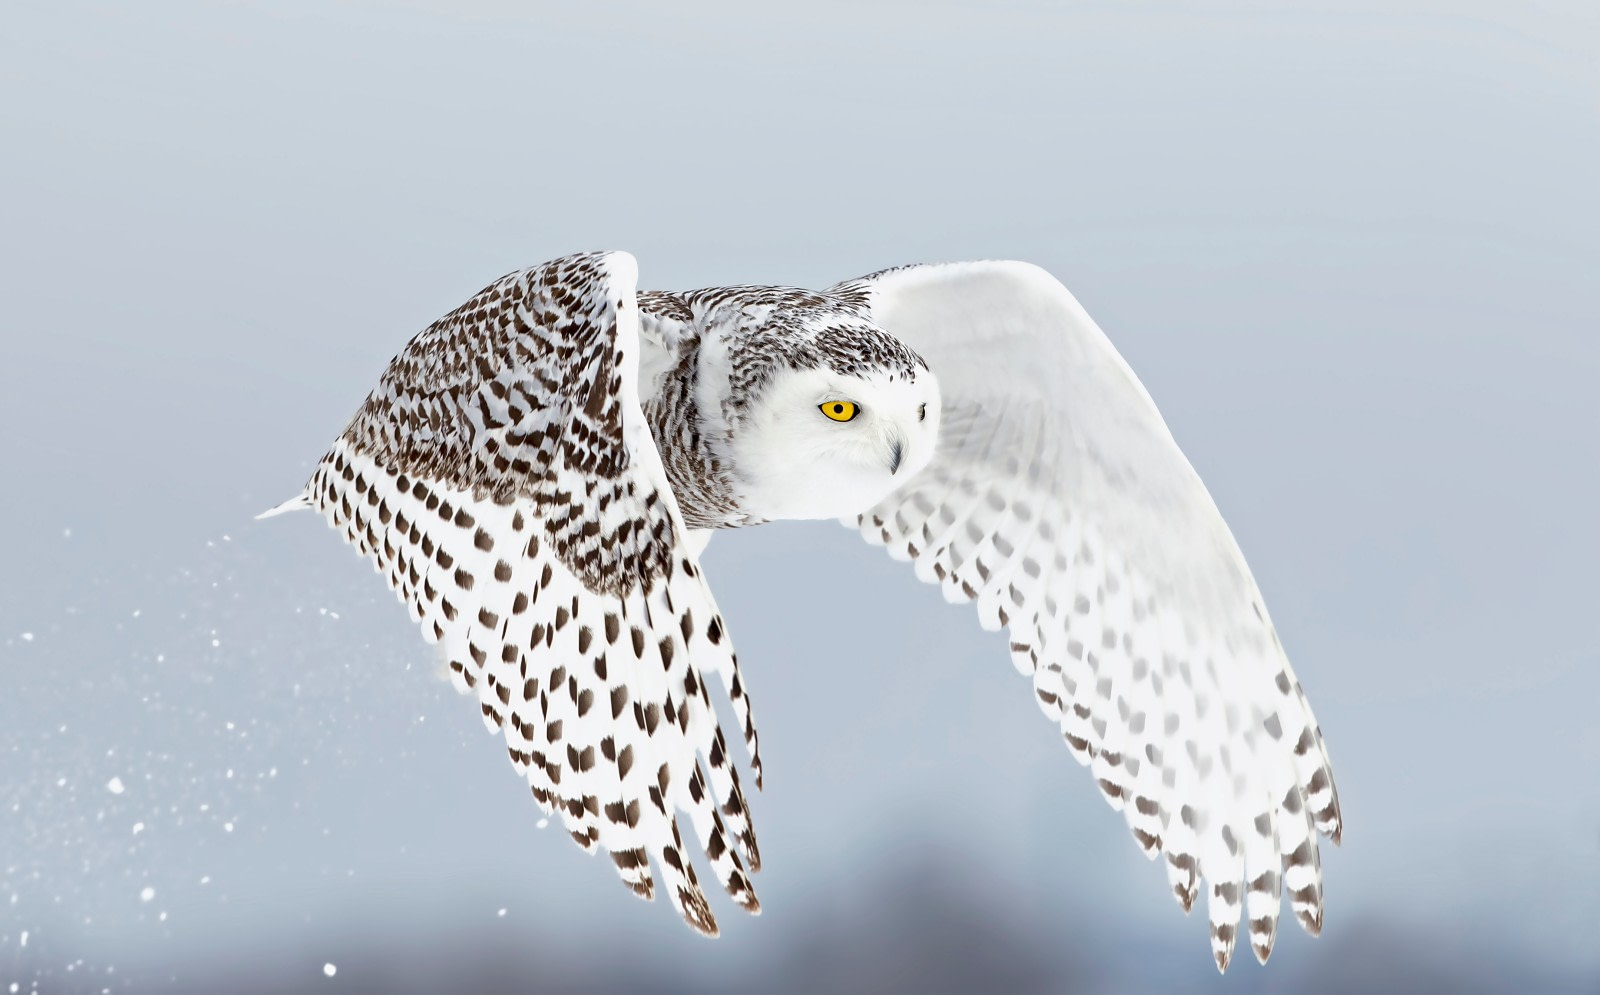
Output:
[[538, 471]]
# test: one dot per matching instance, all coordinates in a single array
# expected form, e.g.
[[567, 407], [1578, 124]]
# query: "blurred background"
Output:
[[1350, 247]]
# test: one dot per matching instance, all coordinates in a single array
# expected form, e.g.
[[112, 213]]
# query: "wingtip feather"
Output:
[[296, 503]]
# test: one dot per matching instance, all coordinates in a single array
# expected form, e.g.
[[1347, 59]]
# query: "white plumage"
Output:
[[538, 471], [1060, 503]]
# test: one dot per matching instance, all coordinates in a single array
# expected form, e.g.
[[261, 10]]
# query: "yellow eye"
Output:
[[839, 410]]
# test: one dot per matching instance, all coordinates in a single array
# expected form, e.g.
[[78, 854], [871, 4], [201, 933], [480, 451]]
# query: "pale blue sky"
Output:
[[1349, 247]]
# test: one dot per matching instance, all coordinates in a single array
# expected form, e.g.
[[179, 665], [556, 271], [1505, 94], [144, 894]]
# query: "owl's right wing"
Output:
[[502, 478], [1059, 502]]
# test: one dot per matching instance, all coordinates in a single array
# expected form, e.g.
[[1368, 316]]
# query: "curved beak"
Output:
[[896, 451]]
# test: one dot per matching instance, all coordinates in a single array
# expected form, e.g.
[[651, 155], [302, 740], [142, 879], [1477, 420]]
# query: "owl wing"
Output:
[[1059, 503], [503, 479]]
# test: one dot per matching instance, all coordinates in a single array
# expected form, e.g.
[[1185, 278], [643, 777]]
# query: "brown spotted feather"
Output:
[[503, 478]]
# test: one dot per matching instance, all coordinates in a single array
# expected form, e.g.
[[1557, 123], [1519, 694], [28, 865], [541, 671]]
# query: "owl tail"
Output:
[[293, 504]]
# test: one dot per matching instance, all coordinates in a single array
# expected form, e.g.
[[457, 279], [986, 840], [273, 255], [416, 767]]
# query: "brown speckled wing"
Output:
[[504, 481], [1060, 504]]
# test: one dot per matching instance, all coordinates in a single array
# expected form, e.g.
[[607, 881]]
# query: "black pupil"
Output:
[[838, 409]]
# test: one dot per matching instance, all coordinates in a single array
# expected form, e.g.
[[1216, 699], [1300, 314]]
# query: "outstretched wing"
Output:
[[503, 479], [1059, 502]]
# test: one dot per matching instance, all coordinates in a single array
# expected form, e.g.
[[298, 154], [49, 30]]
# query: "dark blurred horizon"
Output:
[[921, 933], [1348, 245], [924, 953]]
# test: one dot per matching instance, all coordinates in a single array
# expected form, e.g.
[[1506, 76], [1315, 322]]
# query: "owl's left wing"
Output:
[[1059, 502], [503, 480]]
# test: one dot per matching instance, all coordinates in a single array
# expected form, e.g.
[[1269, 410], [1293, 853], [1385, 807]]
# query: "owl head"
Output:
[[834, 424]]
